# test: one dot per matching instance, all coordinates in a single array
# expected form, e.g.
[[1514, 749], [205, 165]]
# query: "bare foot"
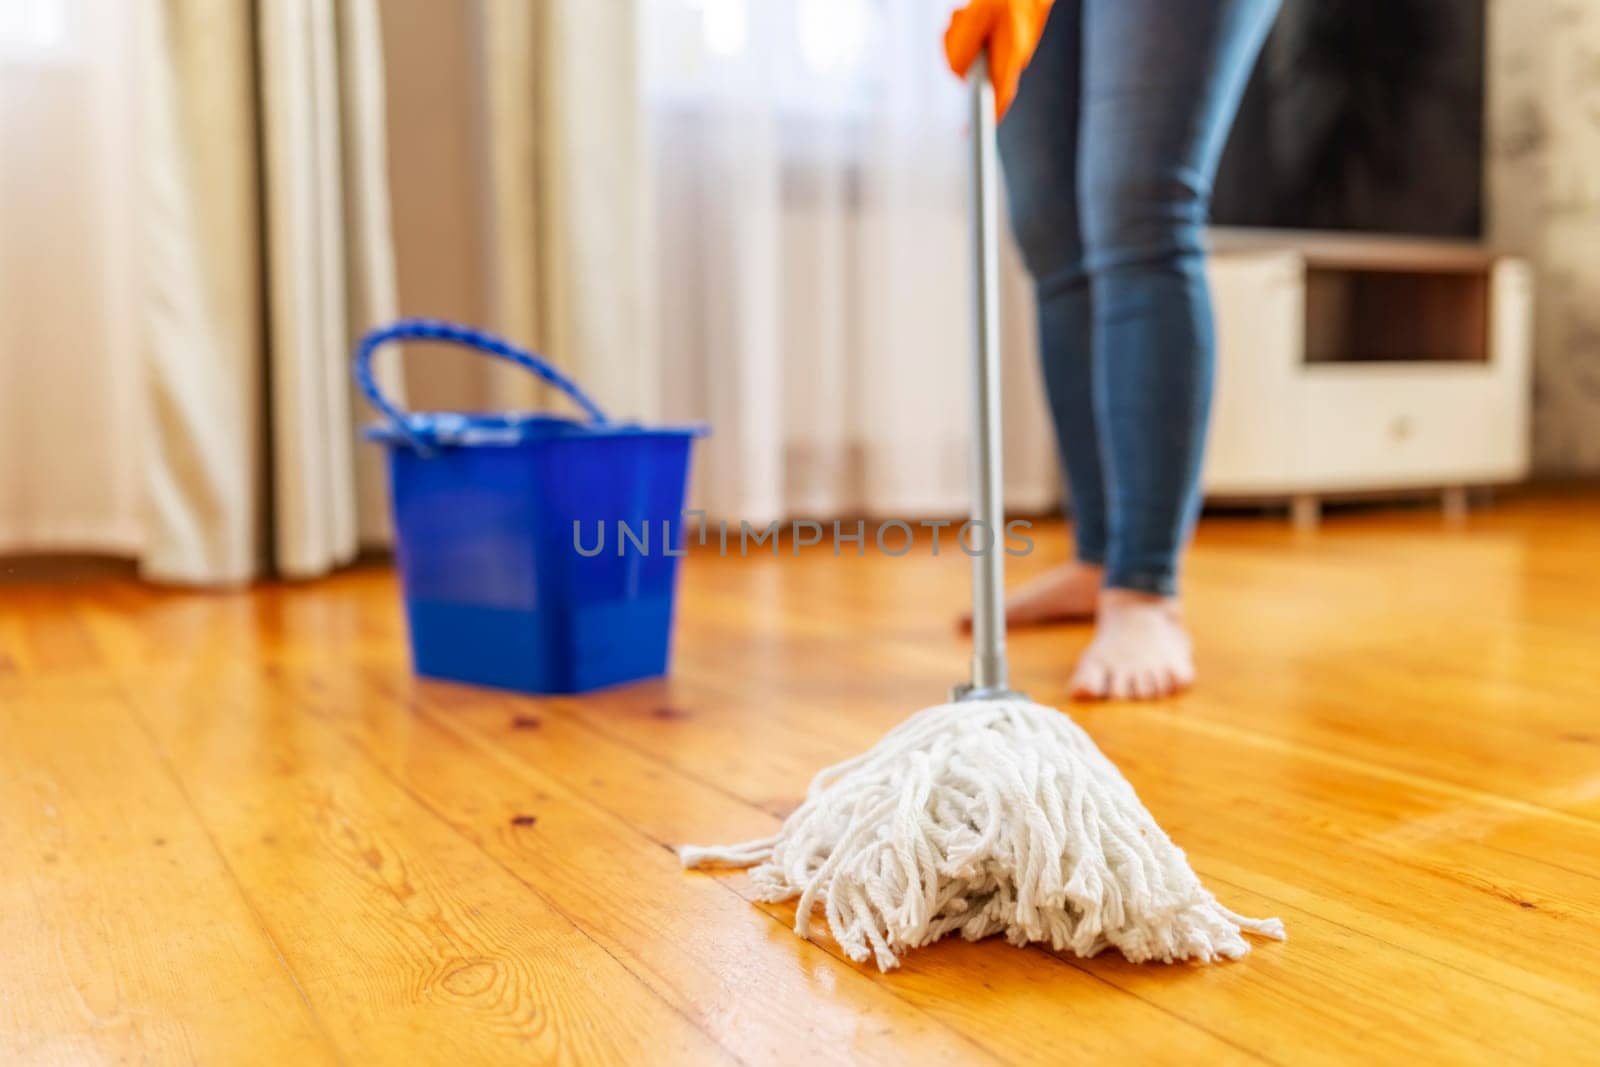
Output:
[[1140, 650], [1065, 593]]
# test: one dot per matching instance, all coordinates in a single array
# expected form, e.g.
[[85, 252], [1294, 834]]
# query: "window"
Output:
[[38, 30], [806, 57]]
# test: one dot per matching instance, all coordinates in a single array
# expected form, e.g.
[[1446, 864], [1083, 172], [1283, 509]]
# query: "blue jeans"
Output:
[[1109, 154]]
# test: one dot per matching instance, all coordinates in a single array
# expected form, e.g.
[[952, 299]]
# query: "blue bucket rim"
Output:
[[492, 429]]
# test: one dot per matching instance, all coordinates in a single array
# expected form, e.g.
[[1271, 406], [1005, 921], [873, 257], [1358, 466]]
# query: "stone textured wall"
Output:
[[1543, 199]]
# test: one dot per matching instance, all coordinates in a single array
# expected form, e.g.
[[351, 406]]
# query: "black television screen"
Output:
[[1363, 115]]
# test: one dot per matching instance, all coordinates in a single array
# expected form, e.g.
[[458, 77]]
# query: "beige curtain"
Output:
[[564, 180], [267, 245], [330, 264], [519, 194]]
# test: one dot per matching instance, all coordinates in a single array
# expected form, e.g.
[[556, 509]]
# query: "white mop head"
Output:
[[987, 817]]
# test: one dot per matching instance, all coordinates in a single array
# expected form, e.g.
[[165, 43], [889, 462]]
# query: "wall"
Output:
[[436, 184], [1544, 202]]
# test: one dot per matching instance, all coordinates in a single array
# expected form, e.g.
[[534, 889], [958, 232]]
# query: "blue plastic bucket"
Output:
[[497, 519]]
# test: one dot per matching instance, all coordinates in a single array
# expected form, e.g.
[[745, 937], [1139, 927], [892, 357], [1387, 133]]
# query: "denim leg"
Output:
[[1161, 82], [1039, 148]]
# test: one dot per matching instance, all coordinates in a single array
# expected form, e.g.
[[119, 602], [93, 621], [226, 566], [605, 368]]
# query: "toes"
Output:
[[1139, 653], [1089, 681], [1097, 680], [1160, 681]]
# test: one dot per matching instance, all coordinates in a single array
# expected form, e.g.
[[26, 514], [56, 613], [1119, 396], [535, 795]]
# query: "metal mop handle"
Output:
[[988, 509]]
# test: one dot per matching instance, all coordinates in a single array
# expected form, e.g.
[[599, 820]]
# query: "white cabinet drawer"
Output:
[[1374, 426]]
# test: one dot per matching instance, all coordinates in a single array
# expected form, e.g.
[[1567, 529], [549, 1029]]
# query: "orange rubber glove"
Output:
[[1010, 29]]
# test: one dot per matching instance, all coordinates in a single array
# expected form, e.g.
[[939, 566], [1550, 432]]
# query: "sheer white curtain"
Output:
[[809, 173], [70, 412]]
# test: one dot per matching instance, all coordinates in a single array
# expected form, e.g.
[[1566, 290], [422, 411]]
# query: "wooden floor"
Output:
[[233, 828]]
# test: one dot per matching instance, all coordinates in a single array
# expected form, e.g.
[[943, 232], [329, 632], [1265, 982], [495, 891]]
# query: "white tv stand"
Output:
[[1366, 365]]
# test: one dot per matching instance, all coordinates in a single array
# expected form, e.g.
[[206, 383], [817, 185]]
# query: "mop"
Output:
[[989, 814]]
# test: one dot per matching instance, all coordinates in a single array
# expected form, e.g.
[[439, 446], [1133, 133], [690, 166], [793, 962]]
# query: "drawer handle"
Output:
[[1400, 429]]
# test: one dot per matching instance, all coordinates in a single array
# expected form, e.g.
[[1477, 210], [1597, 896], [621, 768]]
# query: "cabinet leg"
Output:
[[1305, 511], [1454, 501]]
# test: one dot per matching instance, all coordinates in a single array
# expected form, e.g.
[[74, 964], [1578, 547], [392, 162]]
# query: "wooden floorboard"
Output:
[[236, 829], [410, 942], [124, 935]]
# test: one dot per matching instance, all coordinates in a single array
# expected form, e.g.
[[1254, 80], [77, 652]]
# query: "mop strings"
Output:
[[987, 817]]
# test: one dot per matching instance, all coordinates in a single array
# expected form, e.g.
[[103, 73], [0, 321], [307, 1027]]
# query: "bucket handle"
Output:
[[452, 333]]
